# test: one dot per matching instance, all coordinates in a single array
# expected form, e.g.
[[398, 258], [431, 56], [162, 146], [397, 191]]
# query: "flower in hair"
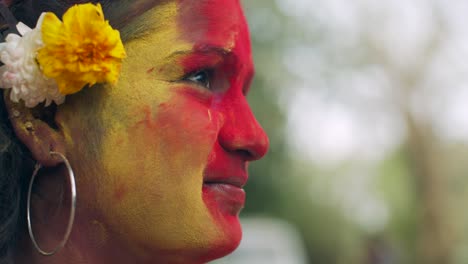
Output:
[[82, 50], [59, 58], [21, 72]]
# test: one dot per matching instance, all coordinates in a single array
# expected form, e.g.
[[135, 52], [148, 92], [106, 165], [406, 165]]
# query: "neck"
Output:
[[89, 242]]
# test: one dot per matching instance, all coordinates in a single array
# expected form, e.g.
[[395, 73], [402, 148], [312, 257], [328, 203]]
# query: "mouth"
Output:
[[235, 181], [226, 193]]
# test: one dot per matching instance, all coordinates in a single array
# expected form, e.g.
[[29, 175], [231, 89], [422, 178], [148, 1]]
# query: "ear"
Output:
[[35, 133]]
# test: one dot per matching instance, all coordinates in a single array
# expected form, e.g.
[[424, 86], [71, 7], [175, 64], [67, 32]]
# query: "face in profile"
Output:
[[164, 168]]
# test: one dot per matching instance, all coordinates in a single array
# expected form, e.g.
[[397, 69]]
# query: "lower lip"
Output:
[[229, 198]]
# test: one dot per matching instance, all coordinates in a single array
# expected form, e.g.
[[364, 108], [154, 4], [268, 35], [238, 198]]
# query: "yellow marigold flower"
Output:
[[82, 50]]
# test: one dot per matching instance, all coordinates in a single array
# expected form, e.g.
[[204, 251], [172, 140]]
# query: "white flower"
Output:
[[21, 72]]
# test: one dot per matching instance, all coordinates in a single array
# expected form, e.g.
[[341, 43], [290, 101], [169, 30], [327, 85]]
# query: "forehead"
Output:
[[218, 23], [215, 23], [213, 20], [172, 26]]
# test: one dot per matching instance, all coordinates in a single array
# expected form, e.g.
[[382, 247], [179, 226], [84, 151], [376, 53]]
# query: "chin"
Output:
[[225, 211], [207, 249], [225, 246]]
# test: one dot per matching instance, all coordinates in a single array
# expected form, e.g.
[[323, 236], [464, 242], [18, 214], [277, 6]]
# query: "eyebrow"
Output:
[[222, 52], [205, 49]]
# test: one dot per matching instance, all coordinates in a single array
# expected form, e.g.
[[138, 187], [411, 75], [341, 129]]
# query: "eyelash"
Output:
[[201, 78]]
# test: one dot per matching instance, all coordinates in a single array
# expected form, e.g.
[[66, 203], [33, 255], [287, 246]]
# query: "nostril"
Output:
[[241, 134], [250, 144], [247, 155]]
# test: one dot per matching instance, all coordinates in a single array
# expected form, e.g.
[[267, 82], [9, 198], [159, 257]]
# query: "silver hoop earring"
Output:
[[72, 210]]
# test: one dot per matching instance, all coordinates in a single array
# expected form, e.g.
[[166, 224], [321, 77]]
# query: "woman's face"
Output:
[[162, 156]]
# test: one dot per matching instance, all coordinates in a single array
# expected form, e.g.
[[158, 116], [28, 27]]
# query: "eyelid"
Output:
[[199, 61], [210, 76], [208, 70], [181, 64]]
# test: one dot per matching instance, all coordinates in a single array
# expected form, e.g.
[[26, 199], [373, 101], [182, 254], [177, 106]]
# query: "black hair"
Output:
[[15, 166]]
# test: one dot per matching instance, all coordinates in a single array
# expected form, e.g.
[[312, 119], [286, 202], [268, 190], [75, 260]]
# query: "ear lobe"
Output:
[[37, 135]]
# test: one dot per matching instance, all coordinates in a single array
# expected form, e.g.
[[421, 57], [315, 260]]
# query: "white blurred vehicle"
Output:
[[267, 241]]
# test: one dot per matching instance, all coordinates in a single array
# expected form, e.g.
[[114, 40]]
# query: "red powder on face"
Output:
[[219, 26]]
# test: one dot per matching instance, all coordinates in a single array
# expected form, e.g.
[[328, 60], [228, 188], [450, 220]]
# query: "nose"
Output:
[[241, 133]]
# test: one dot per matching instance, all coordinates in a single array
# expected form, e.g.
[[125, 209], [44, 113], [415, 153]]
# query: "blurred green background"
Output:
[[366, 106]]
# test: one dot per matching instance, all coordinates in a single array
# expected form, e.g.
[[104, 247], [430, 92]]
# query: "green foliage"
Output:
[[316, 197]]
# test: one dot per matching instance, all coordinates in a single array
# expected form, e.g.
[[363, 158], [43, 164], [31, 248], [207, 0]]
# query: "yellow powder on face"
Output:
[[161, 39], [150, 187], [143, 173]]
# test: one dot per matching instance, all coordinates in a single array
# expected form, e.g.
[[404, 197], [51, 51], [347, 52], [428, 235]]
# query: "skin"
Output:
[[160, 158]]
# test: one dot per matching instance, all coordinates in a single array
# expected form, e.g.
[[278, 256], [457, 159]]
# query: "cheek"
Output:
[[179, 133], [155, 162], [169, 144]]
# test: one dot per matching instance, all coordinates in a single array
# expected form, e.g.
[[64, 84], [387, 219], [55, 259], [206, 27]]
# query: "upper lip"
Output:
[[238, 181]]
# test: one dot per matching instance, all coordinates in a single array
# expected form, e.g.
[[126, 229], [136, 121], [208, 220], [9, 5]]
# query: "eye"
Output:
[[202, 78]]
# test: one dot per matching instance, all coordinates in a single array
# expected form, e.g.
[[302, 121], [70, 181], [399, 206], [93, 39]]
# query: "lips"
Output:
[[236, 181], [223, 180], [225, 170], [225, 193], [227, 198]]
